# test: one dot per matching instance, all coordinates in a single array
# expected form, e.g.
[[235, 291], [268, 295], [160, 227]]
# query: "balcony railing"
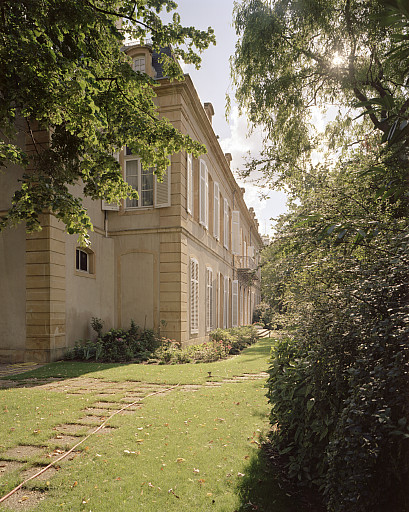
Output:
[[245, 263]]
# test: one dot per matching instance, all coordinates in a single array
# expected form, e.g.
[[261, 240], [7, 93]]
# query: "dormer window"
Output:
[[139, 64]]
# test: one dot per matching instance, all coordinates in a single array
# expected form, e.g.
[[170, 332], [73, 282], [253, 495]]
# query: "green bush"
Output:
[[222, 342], [116, 345]]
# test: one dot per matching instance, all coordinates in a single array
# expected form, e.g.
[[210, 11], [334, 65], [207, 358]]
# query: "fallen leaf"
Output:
[[195, 470], [180, 459]]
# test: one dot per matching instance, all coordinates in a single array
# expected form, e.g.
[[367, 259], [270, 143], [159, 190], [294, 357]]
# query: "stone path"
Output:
[[7, 369], [110, 398]]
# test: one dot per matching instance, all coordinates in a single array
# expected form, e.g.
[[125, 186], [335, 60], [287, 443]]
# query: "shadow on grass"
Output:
[[61, 370], [261, 489]]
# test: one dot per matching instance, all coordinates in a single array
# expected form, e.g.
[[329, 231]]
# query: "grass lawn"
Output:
[[196, 450]]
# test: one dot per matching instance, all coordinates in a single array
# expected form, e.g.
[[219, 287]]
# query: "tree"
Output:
[[63, 68], [340, 257], [293, 56]]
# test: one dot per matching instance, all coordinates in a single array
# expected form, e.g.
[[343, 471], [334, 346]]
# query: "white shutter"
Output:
[[226, 223], [216, 214], [251, 251], [162, 190], [194, 296], [189, 179], [235, 232], [235, 303], [209, 299], [241, 307], [111, 206], [203, 195], [226, 303]]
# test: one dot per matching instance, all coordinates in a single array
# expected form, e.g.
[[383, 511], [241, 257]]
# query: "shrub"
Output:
[[116, 345]]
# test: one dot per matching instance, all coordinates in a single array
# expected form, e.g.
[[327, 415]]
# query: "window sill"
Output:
[[82, 273]]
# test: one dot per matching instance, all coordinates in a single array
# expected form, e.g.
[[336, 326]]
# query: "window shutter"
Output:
[[194, 296], [189, 179], [111, 206], [226, 223], [162, 190], [226, 302], [139, 64], [241, 307], [216, 215], [251, 251], [203, 195], [209, 299], [235, 232], [235, 303]]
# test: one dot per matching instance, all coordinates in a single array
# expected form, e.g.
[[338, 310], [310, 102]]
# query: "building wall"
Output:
[[139, 258], [12, 294]]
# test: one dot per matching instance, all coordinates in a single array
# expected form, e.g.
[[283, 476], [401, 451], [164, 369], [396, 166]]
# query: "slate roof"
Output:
[[157, 66]]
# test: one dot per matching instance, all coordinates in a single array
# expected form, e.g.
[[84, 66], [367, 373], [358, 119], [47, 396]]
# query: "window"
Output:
[[235, 232], [241, 307], [203, 195], [235, 303], [140, 180], [216, 215], [150, 191], [209, 299], [189, 180], [194, 296], [226, 303], [139, 64], [84, 260], [226, 224]]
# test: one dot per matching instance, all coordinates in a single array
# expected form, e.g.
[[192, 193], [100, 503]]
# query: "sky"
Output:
[[212, 83]]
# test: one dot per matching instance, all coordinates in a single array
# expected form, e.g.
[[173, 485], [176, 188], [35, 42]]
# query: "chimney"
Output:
[[243, 190], [209, 111], [229, 158]]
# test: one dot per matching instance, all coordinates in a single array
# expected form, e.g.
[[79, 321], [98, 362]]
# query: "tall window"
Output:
[[235, 303], [141, 180], [235, 246], [194, 296], [139, 64], [216, 213], [226, 303], [209, 299], [204, 195], [226, 224], [189, 183]]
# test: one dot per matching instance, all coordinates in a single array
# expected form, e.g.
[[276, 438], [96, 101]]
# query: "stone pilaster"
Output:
[[45, 292]]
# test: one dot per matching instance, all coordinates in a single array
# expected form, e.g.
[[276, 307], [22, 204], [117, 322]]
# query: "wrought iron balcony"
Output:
[[245, 263]]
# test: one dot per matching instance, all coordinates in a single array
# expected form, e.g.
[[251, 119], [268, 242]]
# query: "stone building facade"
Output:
[[182, 259]]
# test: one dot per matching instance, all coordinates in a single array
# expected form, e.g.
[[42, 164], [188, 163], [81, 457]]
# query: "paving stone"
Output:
[[24, 452], [44, 477], [73, 428], [6, 466], [25, 499]]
